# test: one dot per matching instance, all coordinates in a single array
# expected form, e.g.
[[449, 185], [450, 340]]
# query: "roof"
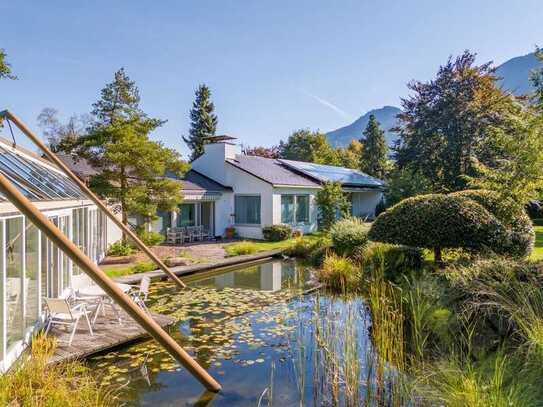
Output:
[[194, 181], [36, 178], [303, 174], [271, 170], [348, 177], [80, 166]]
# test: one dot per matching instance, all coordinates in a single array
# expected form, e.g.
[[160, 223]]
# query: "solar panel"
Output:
[[332, 173]]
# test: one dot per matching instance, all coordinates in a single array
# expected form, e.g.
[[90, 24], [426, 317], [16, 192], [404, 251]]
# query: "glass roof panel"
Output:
[[37, 182], [332, 173]]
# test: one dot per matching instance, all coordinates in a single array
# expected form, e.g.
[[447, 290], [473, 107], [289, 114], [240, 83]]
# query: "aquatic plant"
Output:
[[340, 274], [32, 382]]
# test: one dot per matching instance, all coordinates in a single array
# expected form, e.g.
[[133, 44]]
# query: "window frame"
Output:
[[259, 222], [295, 210]]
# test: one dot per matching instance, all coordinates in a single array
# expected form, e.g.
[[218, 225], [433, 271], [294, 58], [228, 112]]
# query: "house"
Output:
[[225, 188], [31, 266]]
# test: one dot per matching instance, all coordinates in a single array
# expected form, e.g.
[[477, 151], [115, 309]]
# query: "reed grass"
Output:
[[340, 274], [241, 248], [33, 383]]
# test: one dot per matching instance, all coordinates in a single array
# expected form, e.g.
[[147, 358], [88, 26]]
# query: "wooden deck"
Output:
[[108, 334]]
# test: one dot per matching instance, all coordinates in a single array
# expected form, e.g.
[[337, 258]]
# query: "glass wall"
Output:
[[295, 209], [32, 267], [32, 270], [14, 281]]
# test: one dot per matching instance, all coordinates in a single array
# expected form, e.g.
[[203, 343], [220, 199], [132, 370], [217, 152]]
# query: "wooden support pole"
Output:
[[15, 120], [99, 277]]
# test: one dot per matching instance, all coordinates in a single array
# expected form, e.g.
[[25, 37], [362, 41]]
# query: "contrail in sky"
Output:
[[329, 105]]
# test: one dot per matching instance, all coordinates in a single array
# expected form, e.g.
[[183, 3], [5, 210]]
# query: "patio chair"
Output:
[[61, 313], [140, 296]]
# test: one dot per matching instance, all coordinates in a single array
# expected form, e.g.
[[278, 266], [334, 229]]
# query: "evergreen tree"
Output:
[[203, 122], [131, 166], [373, 160], [5, 68]]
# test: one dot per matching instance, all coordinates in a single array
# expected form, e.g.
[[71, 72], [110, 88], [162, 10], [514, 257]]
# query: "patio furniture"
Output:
[[140, 296], [95, 291], [61, 313]]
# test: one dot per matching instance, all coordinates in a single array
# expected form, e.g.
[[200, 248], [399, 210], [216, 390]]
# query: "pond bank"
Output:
[[196, 268]]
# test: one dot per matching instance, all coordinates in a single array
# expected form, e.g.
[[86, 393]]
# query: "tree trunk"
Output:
[[437, 256]]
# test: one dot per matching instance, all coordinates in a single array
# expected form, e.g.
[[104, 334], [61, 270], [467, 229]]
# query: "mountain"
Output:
[[515, 78], [386, 116], [515, 74]]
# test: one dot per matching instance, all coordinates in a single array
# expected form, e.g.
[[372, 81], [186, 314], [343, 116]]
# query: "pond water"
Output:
[[260, 334]]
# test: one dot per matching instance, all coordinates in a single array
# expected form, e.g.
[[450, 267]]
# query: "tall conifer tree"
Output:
[[203, 122], [373, 160]]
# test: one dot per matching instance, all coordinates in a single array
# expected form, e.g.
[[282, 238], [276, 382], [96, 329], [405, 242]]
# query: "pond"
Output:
[[262, 333]]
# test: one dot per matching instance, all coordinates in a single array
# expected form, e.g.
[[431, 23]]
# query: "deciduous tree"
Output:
[[5, 67], [332, 203], [309, 146]]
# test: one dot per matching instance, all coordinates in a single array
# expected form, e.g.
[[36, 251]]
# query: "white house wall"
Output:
[[364, 203]]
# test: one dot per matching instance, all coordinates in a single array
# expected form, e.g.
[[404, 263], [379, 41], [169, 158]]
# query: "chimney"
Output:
[[221, 146]]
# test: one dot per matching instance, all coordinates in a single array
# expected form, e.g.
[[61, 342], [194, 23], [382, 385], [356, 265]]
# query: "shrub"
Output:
[[240, 248], [313, 250], [143, 267], [120, 248], [520, 232], [276, 233], [32, 382], [397, 261], [340, 274], [438, 221], [331, 201], [150, 238], [348, 235]]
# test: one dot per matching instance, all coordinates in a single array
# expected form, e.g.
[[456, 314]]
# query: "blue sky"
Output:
[[273, 66]]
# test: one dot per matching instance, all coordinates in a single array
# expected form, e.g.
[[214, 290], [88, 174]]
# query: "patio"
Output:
[[108, 334]]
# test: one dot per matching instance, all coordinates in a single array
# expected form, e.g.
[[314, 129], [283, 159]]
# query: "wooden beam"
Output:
[[15, 120], [101, 279]]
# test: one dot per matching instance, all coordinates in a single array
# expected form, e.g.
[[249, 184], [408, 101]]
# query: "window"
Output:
[[247, 209], [187, 215], [294, 209], [32, 269], [14, 280]]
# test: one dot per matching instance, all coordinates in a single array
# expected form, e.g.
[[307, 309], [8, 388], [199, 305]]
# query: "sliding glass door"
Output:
[[14, 281]]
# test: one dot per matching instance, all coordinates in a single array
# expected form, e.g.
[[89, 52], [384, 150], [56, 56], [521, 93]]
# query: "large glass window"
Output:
[[294, 209], [32, 270], [14, 280], [187, 215], [287, 208], [65, 261], [247, 209]]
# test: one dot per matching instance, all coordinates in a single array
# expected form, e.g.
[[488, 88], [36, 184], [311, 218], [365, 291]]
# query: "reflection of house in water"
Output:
[[270, 276]]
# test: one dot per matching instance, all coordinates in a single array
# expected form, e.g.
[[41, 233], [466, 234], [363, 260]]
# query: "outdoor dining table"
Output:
[[95, 291]]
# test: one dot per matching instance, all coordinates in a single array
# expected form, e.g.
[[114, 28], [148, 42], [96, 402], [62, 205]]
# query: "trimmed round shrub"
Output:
[[520, 231], [276, 233], [348, 236], [438, 221]]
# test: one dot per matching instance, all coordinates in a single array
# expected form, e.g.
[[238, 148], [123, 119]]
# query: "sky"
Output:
[[272, 66]]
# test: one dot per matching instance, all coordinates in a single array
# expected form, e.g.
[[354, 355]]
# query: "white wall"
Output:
[[212, 163], [364, 203], [304, 228]]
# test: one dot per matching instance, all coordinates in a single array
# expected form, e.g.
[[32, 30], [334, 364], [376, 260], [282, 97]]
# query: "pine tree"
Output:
[[131, 166], [373, 160], [203, 122]]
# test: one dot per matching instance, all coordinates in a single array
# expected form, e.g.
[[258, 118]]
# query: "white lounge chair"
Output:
[[139, 295], [61, 313]]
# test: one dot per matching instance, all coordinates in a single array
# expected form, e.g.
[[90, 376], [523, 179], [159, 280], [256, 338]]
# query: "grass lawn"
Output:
[[537, 253]]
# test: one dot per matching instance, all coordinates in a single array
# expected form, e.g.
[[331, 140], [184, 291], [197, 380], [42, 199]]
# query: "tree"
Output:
[[132, 168], [266, 152], [516, 170], [437, 222], [5, 67], [305, 145], [350, 157], [445, 122], [332, 203], [203, 122], [60, 136], [405, 183], [374, 157]]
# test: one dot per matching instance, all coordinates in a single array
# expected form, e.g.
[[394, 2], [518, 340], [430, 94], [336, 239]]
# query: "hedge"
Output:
[[438, 221], [276, 233]]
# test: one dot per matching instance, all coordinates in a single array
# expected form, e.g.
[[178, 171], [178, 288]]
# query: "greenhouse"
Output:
[[31, 267]]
